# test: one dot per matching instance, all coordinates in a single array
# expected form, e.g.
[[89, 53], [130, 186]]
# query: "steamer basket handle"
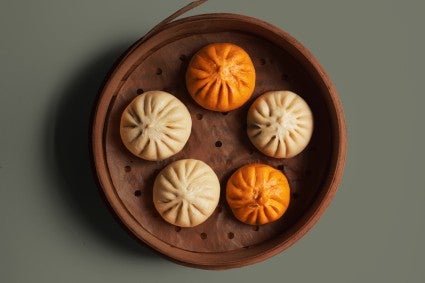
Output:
[[173, 16]]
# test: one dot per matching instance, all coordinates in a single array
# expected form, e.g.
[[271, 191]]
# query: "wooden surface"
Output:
[[159, 63]]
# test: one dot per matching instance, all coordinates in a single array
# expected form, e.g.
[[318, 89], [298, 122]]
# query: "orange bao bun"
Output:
[[220, 77], [258, 194]]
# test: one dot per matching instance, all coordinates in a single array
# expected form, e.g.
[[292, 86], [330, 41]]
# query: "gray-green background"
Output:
[[55, 228]]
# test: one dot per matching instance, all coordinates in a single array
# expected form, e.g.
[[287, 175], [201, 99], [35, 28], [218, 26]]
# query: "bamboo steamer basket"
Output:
[[158, 61]]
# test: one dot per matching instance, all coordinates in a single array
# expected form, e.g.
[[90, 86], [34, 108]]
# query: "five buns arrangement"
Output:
[[220, 77]]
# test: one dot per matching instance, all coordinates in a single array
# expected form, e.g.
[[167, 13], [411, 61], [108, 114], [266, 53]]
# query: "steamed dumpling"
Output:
[[280, 124], [186, 192], [220, 77], [258, 194], [155, 125]]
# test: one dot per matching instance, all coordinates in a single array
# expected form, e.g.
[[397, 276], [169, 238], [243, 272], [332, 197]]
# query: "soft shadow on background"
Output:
[[71, 160]]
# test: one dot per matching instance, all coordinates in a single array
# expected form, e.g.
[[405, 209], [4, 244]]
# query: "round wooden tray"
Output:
[[158, 62]]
